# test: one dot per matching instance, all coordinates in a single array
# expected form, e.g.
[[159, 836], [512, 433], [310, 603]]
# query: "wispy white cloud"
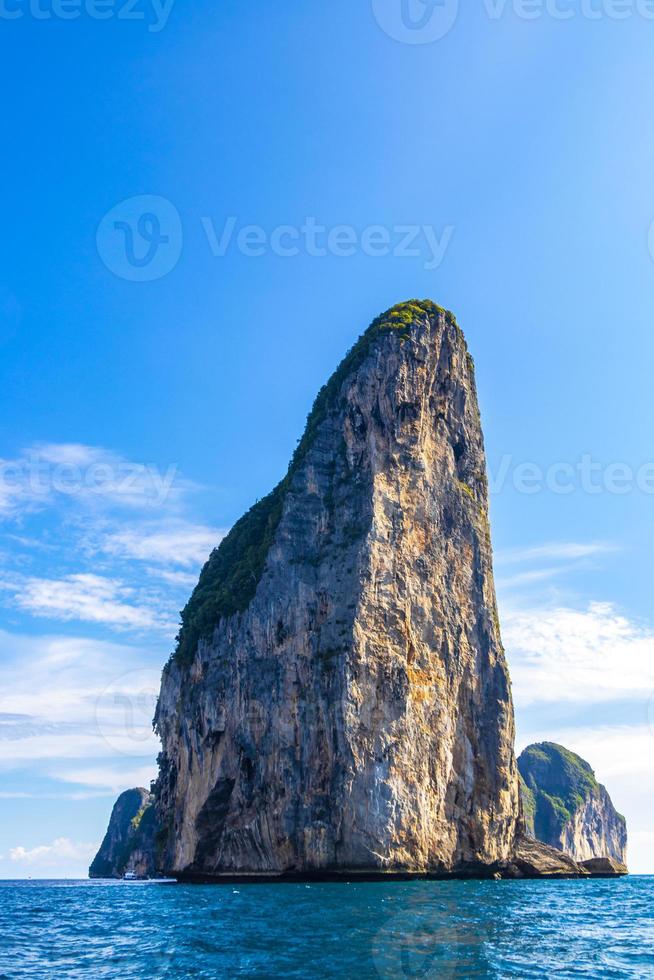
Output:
[[564, 654], [614, 751], [561, 558], [507, 582], [62, 857], [52, 855], [55, 473], [88, 536], [583, 676], [185, 580], [70, 698], [90, 744], [178, 543], [72, 795], [555, 551], [110, 778], [90, 598], [71, 453], [70, 554]]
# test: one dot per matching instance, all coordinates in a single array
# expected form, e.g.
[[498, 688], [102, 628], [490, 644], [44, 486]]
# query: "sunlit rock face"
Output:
[[340, 698]]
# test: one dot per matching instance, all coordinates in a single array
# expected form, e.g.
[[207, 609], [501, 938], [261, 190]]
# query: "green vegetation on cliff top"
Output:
[[556, 783], [230, 577]]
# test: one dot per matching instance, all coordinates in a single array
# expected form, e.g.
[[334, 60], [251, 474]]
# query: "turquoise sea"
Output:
[[466, 929]]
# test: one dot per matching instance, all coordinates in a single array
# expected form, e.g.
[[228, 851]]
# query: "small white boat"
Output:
[[129, 876]]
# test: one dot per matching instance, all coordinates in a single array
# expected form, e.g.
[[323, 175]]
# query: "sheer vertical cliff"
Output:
[[339, 699]]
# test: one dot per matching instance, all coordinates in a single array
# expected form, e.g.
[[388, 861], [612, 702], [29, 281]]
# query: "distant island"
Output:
[[339, 703], [566, 807]]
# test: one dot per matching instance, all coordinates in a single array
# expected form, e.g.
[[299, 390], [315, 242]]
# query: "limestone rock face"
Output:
[[604, 868], [129, 843], [533, 859], [567, 808], [340, 699]]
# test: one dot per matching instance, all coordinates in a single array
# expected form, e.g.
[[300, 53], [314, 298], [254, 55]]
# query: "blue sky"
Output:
[[146, 404]]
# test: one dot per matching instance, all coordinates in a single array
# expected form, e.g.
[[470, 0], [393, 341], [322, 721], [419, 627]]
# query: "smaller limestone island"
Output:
[[565, 806], [129, 844], [339, 704]]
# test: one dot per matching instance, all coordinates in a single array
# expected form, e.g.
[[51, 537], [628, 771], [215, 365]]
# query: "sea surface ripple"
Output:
[[463, 929]]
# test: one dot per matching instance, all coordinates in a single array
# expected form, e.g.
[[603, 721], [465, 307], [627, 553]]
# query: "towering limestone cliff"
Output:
[[129, 843], [339, 699], [567, 808]]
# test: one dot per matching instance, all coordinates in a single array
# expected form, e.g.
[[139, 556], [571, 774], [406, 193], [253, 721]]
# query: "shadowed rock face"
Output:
[[130, 839], [567, 808], [340, 699]]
